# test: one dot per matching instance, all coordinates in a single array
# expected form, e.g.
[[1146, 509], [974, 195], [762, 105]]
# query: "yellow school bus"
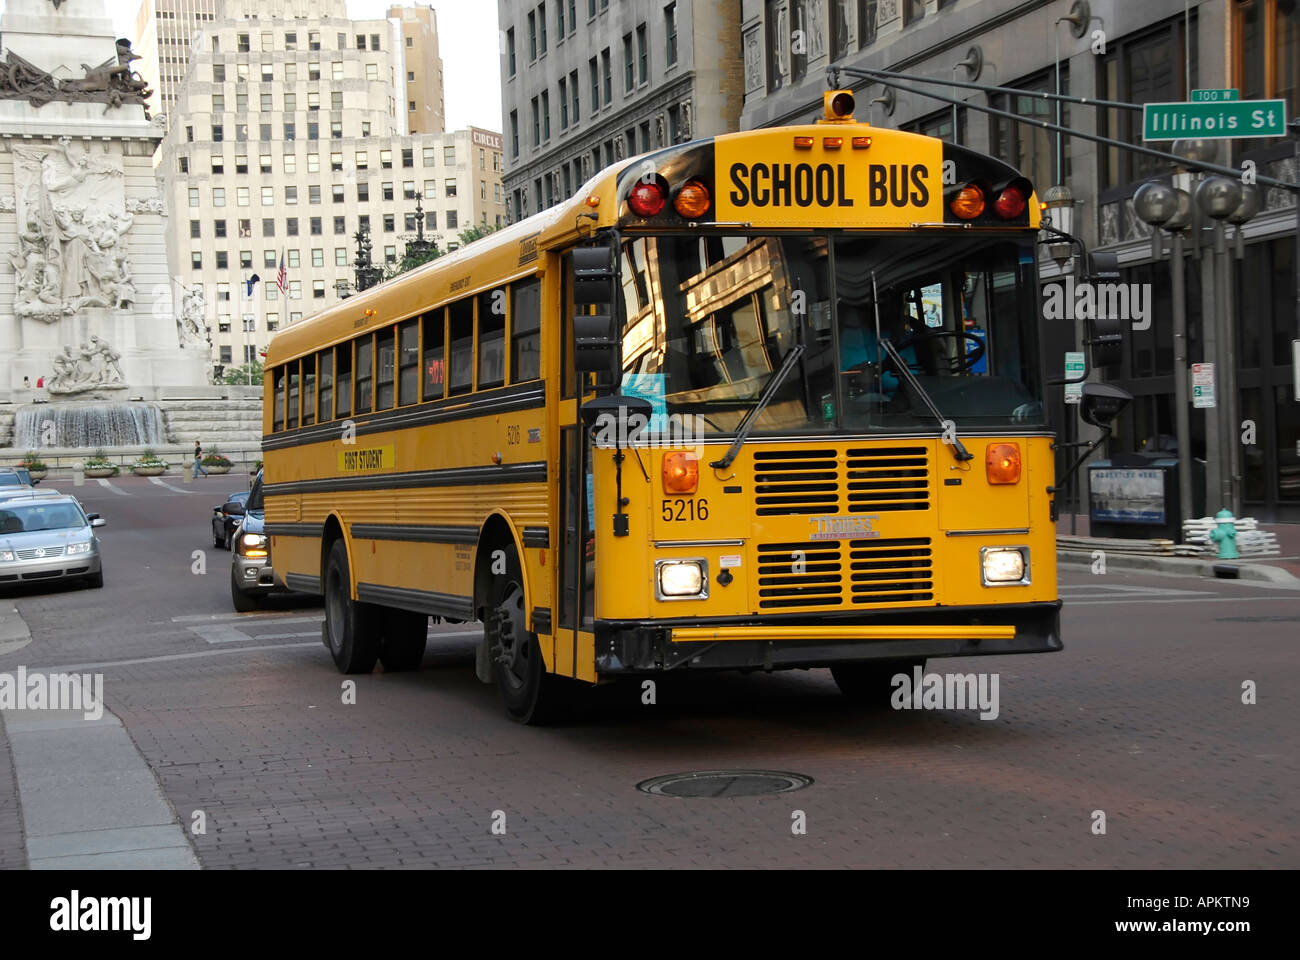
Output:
[[768, 400]]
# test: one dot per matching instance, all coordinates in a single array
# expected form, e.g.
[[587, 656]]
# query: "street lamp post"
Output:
[[1169, 208]]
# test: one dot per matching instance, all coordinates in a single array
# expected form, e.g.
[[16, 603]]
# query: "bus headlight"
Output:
[[1004, 566], [681, 579]]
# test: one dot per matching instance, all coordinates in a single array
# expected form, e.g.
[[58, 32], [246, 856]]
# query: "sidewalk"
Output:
[[1281, 569]]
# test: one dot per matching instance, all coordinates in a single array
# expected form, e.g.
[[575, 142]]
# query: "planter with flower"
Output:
[[149, 465], [99, 466], [34, 466], [215, 463]]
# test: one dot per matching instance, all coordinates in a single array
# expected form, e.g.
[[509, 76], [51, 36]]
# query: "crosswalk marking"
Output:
[[118, 490], [164, 483]]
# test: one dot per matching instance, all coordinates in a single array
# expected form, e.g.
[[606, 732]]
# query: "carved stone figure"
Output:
[[191, 329], [753, 44], [112, 82], [8, 203], [152, 204], [71, 253], [92, 366]]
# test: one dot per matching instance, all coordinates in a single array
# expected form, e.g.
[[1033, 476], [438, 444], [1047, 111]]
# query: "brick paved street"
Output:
[[1140, 717]]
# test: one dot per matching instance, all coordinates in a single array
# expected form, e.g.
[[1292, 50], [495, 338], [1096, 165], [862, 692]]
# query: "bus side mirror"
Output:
[[595, 336], [1101, 403]]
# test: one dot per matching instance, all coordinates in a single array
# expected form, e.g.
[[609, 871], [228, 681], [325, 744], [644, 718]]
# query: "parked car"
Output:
[[15, 477], [44, 537], [250, 567], [226, 517]]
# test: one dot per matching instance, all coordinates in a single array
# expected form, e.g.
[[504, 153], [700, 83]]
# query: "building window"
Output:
[[607, 75], [1266, 42], [241, 43], [241, 196], [627, 63], [573, 93], [1026, 146], [340, 225], [386, 190], [390, 222], [196, 259], [267, 75], [363, 192], [594, 71], [372, 71], [913, 10], [340, 256], [336, 193], [218, 133], [564, 103], [1146, 68], [313, 163], [642, 55], [452, 221], [514, 134], [408, 189], [291, 226], [315, 226], [449, 187], [223, 260], [313, 193], [268, 196], [670, 33], [184, 163], [510, 51], [245, 225], [246, 259], [218, 196], [288, 131], [546, 115], [430, 189], [537, 123], [430, 156], [268, 226], [408, 157], [196, 229], [264, 132], [532, 36]]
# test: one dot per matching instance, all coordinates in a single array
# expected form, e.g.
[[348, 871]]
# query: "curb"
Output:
[[1179, 566]]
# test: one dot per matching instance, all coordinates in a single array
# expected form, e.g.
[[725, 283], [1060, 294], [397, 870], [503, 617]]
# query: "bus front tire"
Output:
[[871, 683], [405, 635], [531, 695], [351, 627]]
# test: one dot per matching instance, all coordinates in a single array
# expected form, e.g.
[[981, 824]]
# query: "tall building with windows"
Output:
[[1155, 51], [163, 32], [585, 83], [289, 138], [423, 81]]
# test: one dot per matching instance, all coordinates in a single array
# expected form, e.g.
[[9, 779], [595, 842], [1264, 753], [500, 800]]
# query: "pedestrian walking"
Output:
[[40, 387], [198, 459], [28, 395]]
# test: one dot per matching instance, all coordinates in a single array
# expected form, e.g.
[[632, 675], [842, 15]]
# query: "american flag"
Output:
[[282, 278]]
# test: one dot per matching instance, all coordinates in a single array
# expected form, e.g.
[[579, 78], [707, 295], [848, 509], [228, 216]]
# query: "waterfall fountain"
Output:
[[89, 425]]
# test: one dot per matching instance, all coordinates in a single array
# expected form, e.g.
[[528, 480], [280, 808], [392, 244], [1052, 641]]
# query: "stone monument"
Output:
[[86, 305]]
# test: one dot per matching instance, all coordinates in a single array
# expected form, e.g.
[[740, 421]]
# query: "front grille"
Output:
[[44, 552], [891, 571], [813, 573], [888, 478], [796, 481], [865, 480], [800, 574]]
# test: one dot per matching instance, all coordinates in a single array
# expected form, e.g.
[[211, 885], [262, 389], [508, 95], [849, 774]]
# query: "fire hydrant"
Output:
[[1225, 535]]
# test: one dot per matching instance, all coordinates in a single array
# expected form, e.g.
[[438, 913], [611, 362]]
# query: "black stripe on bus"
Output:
[[420, 601], [542, 620], [523, 396], [532, 472], [537, 537], [294, 529], [302, 583], [415, 532]]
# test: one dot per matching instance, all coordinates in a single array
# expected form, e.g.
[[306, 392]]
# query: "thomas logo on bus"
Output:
[[833, 528]]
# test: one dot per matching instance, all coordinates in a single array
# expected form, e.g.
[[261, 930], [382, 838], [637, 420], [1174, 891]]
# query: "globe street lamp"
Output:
[[1219, 198], [1164, 206]]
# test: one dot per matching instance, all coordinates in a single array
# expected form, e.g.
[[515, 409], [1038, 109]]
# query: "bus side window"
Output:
[[462, 346], [365, 372], [408, 361], [309, 389], [525, 332], [384, 372], [277, 412], [292, 420], [491, 339], [343, 379], [435, 359], [325, 381]]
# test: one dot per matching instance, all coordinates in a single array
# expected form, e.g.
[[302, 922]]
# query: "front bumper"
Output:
[[254, 575], [783, 643], [56, 568]]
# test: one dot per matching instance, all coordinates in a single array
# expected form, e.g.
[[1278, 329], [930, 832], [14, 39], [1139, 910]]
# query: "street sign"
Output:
[[1214, 121], [1074, 367], [1214, 96], [1203, 385]]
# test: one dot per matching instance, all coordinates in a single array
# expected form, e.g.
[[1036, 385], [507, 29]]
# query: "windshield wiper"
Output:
[[742, 432], [949, 427]]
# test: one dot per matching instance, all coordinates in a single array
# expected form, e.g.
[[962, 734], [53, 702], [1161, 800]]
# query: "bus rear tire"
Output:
[[531, 695], [351, 627], [870, 683], [405, 635]]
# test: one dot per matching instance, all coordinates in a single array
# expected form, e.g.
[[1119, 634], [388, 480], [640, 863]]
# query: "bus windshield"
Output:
[[708, 319]]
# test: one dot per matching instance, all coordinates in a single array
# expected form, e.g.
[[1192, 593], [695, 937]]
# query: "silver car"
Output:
[[48, 538]]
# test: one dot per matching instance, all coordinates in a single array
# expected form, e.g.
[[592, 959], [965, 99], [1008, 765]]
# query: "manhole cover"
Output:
[[724, 783]]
